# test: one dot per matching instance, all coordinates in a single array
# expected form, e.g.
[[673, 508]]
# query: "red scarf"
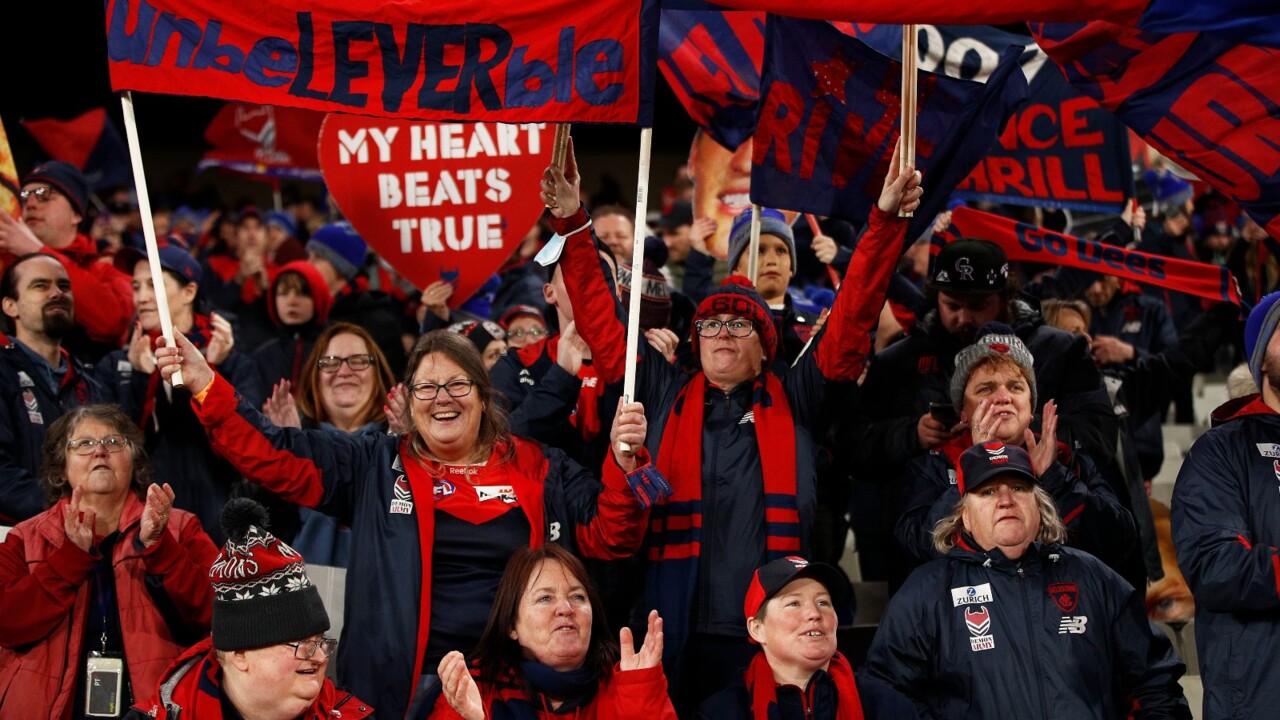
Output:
[[680, 461], [764, 689]]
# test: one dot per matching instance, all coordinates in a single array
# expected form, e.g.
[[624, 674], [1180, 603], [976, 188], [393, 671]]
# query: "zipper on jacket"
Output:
[[1031, 641]]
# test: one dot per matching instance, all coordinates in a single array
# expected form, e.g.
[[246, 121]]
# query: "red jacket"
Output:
[[45, 595], [103, 294], [623, 695], [192, 690]]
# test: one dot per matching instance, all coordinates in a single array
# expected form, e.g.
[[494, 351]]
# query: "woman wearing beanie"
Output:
[[435, 512], [268, 652], [994, 392], [736, 440]]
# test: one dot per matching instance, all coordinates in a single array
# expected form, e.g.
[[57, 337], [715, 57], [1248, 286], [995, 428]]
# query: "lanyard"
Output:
[[104, 599]]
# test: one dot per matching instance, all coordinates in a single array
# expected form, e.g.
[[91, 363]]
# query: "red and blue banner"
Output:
[[1027, 243], [455, 60], [90, 141], [712, 62], [829, 121], [264, 141], [1203, 100]]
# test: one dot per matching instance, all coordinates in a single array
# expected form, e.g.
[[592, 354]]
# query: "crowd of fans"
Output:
[[988, 432]]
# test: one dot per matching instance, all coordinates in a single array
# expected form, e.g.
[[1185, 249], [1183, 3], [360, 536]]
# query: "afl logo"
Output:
[[443, 489]]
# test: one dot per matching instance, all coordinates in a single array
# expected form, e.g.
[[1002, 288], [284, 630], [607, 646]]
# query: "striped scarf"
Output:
[[675, 530]]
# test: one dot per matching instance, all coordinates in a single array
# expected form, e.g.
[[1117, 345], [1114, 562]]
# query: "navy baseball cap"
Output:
[[174, 257], [989, 460]]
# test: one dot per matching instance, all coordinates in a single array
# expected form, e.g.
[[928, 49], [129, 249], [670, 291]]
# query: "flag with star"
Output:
[[829, 119]]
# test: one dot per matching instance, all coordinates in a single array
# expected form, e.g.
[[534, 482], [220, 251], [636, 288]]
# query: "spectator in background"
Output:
[[1226, 526], [298, 304], [282, 245], [40, 381], [338, 252], [674, 228], [488, 337], [174, 439], [524, 325], [980, 631], [55, 205], [111, 573], [616, 228], [268, 652]]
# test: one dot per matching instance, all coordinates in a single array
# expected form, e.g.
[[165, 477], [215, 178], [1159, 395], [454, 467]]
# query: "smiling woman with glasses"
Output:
[[436, 512], [110, 574]]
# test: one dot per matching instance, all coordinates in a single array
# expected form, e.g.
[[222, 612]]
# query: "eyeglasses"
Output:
[[306, 649], [531, 332], [455, 388], [331, 363], [736, 327], [43, 194], [113, 444]]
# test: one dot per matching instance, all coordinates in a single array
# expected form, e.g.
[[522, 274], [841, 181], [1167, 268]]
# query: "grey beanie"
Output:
[[772, 222], [993, 339]]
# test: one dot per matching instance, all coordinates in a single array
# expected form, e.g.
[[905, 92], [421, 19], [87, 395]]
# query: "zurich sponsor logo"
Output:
[[1269, 450], [971, 595]]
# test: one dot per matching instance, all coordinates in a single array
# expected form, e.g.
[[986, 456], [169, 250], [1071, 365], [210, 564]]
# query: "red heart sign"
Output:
[[439, 201]]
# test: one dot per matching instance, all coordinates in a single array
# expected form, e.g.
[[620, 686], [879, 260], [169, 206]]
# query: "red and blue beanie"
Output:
[[737, 296], [66, 179]]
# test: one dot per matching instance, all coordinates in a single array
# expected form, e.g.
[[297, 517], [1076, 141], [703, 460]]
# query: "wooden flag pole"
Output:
[[910, 56], [560, 149], [148, 227], [637, 270]]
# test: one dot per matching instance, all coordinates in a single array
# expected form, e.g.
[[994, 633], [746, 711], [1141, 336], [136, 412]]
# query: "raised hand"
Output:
[[902, 190], [559, 189], [650, 653], [1044, 453], [459, 687], [185, 357], [81, 523], [629, 426], [155, 516], [571, 349], [280, 408], [139, 352], [396, 410], [664, 341], [221, 341]]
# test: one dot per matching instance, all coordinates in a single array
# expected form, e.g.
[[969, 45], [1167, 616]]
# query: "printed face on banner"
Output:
[[439, 201]]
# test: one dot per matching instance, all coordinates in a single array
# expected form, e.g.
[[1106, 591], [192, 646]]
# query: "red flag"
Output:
[[264, 141]]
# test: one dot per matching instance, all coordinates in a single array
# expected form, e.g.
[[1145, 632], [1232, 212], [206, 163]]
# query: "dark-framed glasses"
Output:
[[87, 446], [306, 649], [44, 194], [534, 333], [455, 388], [737, 327], [331, 363]]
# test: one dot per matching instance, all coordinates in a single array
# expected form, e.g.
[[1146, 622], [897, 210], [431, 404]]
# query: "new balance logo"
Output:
[[1073, 624]]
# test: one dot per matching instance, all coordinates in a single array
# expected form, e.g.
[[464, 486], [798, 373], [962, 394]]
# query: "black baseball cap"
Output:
[[770, 578], [970, 267]]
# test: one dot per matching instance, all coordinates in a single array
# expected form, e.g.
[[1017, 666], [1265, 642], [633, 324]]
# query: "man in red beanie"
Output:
[[736, 440], [55, 200]]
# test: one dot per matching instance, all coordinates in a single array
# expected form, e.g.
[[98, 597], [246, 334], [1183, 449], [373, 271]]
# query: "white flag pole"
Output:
[[753, 247], [637, 270], [148, 227]]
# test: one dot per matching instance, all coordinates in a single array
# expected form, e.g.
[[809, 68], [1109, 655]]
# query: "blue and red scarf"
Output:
[[675, 529], [763, 689]]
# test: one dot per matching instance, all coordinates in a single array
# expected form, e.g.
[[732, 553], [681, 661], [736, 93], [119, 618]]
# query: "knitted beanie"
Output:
[[66, 179], [993, 339], [772, 222], [262, 595], [655, 295], [340, 244], [1258, 331], [737, 296], [480, 332]]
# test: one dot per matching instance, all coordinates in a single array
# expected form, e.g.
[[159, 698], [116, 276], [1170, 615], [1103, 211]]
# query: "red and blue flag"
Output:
[[712, 62]]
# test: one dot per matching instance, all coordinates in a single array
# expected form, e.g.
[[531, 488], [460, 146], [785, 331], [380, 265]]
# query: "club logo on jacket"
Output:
[[33, 407], [979, 623], [1066, 595], [971, 595], [401, 497]]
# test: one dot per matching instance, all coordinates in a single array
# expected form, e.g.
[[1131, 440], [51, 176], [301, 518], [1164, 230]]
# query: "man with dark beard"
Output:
[[39, 380]]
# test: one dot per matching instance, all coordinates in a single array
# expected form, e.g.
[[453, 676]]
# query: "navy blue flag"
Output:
[[1207, 102], [712, 60], [829, 120]]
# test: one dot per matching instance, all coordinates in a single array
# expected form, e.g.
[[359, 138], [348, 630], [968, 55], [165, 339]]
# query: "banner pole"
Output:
[[753, 248], [148, 227], [560, 149], [816, 230], [907, 129], [637, 268]]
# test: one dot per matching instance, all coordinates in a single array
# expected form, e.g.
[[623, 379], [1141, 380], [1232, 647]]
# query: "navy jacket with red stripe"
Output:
[[1226, 526]]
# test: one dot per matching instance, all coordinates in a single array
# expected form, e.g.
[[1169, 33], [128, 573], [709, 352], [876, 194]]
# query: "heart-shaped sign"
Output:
[[439, 201]]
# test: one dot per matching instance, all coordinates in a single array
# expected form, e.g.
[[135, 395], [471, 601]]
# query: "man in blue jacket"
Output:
[[1226, 526], [1011, 623]]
